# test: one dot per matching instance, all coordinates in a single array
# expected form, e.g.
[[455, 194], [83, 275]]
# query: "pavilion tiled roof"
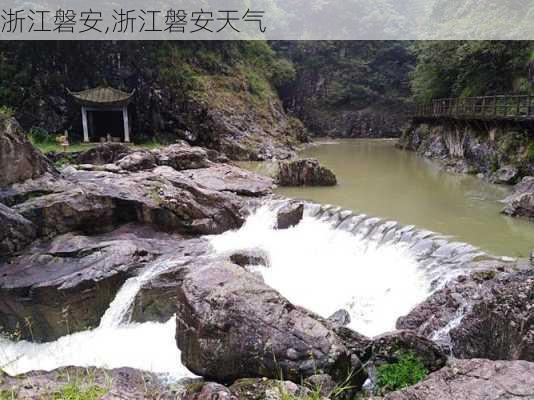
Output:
[[102, 96]]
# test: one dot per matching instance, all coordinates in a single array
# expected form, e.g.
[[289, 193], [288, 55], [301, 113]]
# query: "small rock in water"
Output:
[[340, 318], [250, 257], [289, 215], [306, 172]]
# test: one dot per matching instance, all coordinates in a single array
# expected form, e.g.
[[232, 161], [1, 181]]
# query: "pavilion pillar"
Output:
[[84, 123], [126, 125]]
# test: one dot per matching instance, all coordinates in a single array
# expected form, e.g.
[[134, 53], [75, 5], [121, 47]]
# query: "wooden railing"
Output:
[[484, 107]]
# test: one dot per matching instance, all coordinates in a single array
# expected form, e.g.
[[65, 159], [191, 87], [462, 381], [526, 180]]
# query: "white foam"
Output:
[[324, 269], [148, 346]]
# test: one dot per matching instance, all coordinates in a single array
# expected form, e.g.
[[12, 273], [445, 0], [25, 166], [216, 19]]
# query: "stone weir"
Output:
[[435, 252]]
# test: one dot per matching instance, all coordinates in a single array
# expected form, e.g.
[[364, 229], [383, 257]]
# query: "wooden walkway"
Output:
[[490, 108]]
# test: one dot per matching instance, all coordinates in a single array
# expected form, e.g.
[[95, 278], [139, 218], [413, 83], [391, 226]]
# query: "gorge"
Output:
[[175, 267]]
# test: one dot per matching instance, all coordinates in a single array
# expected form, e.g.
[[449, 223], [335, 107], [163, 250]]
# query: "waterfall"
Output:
[[377, 270], [115, 343], [120, 308]]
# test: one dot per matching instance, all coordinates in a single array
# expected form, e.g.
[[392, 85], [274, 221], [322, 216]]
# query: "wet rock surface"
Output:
[[19, 160], [94, 201], [386, 348], [306, 172], [105, 153], [474, 379], [65, 285], [289, 215], [231, 325], [487, 314], [16, 231], [521, 202], [228, 178], [115, 384]]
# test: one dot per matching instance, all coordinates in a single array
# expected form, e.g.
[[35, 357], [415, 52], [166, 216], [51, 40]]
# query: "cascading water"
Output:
[[377, 270], [114, 343]]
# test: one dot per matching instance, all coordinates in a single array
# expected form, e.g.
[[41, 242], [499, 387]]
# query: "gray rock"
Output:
[[66, 285], [95, 201], [15, 231], [474, 380], [322, 384], [230, 325], [115, 384], [289, 215], [506, 175], [521, 202], [228, 178], [19, 160], [306, 172], [340, 318], [387, 347], [137, 161], [208, 391], [182, 156], [488, 314], [250, 257], [267, 389]]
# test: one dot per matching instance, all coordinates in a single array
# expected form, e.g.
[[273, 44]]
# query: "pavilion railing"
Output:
[[503, 106]]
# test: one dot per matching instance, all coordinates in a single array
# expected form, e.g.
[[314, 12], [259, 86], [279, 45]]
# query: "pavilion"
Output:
[[104, 114]]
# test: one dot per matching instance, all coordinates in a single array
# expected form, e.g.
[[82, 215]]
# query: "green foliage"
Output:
[[469, 68], [7, 395], [6, 112], [41, 136], [530, 152], [78, 391], [407, 371]]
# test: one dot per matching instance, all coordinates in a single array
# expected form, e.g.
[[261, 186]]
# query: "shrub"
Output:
[[530, 152], [6, 112], [73, 391], [407, 371], [40, 135]]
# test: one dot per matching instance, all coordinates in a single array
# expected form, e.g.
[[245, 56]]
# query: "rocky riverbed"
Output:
[[127, 236]]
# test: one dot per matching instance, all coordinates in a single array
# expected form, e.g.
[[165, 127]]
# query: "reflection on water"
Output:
[[377, 178]]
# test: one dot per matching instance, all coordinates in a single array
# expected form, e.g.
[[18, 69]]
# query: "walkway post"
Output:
[[126, 125], [84, 123]]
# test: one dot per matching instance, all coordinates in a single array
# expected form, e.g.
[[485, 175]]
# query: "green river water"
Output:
[[378, 179]]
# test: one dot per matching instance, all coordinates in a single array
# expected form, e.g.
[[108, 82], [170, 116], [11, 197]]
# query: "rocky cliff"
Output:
[[219, 96], [349, 89], [501, 155]]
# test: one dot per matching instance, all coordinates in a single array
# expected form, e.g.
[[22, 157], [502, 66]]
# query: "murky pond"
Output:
[[378, 179]]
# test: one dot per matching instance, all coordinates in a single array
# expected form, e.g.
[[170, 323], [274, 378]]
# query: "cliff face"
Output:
[[502, 154], [349, 89], [219, 95]]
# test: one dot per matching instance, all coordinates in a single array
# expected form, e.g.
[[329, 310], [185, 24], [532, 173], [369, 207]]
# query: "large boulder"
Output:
[[228, 178], [15, 232], [261, 389], [66, 285], [231, 325], [474, 380], [105, 153], [95, 201], [19, 160], [306, 172], [521, 202], [507, 174], [387, 348], [182, 156], [289, 215], [487, 314], [501, 325]]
